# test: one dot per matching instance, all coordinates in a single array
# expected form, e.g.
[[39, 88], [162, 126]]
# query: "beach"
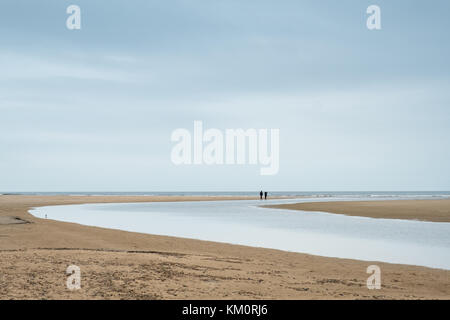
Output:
[[422, 210], [34, 255]]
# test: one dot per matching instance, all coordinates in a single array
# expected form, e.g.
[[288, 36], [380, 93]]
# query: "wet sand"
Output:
[[123, 265], [424, 210]]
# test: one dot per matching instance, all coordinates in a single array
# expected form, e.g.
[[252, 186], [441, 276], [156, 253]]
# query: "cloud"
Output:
[[356, 109]]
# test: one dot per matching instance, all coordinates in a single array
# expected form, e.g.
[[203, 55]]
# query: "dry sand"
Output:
[[425, 210], [124, 265]]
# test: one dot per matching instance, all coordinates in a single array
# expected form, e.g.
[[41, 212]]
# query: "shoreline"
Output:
[[124, 265]]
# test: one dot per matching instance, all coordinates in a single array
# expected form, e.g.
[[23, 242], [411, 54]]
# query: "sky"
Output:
[[94, 109]]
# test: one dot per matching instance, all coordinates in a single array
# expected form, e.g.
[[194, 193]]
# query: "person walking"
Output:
[[260, 195], [265, 195]]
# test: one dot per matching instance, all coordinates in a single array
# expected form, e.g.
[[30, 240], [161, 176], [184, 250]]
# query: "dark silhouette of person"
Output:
[[260, 195], [265, 195]]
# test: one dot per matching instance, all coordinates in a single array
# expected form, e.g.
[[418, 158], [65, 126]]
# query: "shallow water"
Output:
[[243, 222]]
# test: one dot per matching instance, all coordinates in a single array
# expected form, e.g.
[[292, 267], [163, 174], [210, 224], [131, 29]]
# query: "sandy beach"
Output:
[[34, 255], [423, 210]]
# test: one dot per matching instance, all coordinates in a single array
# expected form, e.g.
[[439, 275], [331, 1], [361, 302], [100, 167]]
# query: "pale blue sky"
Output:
[[93, 109]]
